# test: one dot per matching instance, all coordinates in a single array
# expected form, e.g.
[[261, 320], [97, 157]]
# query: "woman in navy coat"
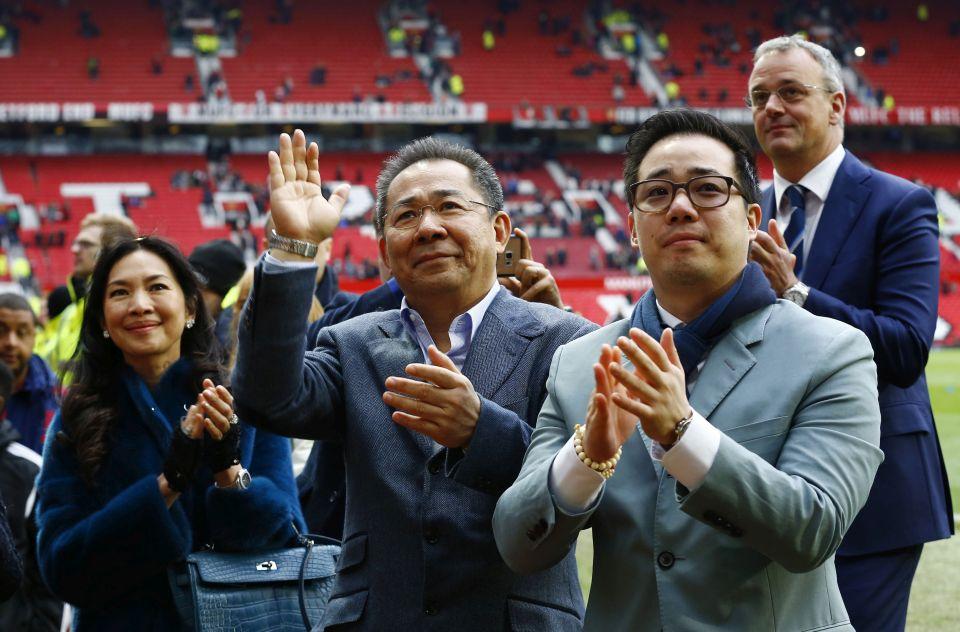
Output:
[[146, 461]]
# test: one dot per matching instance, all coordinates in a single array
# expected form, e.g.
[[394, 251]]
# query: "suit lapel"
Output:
[[391, 354], [503, 336], [727, 363], [841, 209]]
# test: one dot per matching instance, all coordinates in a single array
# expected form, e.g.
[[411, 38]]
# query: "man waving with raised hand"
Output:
[[434, 403]]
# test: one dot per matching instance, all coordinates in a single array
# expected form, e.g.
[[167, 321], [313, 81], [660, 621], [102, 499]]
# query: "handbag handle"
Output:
[[308, 541], [303, 570]]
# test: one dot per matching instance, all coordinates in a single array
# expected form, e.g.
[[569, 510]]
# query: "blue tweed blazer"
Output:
[[418, 549]]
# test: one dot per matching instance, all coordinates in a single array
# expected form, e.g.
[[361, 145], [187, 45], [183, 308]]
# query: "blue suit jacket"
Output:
[[418, 549], [875, 263]]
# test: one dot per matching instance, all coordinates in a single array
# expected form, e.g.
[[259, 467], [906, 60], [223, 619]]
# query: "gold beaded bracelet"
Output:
[[603, 468]]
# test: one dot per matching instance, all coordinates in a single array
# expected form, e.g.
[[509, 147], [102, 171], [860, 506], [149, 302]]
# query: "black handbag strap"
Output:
[[303, 572], [308, 541]]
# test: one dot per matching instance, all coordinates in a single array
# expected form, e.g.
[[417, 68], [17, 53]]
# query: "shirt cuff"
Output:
[[691, 457], [573, 484], [272, 264]]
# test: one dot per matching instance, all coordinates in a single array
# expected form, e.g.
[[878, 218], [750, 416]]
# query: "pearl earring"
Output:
[[189, 323], [106, 334]]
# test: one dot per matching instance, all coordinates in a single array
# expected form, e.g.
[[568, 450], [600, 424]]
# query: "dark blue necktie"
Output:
[[798, 219]]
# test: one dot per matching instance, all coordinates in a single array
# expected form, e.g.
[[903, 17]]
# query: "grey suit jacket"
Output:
[[418, 550], [751, 548]]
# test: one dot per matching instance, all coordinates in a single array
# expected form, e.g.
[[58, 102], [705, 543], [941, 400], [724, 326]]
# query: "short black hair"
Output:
[[433, 148], [686, 121], [18, 303]]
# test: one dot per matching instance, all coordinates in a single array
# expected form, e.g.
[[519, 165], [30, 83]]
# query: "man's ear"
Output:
[[631, 226], [502, 229], [838, 106], [754, 217], [382, 247]]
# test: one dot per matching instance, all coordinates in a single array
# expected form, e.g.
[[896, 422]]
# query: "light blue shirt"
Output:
[[462, 329]]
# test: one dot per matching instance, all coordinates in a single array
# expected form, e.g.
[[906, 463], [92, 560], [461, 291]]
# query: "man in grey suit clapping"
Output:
[[730, 438], [434, 403]]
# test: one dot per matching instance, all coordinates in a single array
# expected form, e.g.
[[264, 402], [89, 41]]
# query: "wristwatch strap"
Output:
[[303, 248]]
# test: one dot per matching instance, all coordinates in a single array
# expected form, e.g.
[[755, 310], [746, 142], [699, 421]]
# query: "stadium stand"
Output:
[[51, 65], [564, 56], [349, 44], [912, 62]]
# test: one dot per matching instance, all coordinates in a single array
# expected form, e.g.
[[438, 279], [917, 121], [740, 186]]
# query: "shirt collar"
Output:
[[667, 318], [475, 313], [818, 180]]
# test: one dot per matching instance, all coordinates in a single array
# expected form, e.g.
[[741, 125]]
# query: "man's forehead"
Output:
[[15, 315], [779, 67], [428, 177], [90, 233], [686, 155]]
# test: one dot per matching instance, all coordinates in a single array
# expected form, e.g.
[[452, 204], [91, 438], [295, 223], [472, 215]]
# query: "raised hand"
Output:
[[441, 403], [608, 426], [297, 204]]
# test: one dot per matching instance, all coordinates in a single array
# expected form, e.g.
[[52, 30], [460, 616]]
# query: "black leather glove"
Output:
[[183, 460], [222, 454]]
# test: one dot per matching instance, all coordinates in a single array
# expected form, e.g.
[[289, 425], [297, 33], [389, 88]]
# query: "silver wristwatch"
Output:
[[303, 248], [797, 293], [242, 481]]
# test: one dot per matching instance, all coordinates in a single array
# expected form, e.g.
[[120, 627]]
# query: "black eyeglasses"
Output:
[[408, 217], [656, 196], [788, 93]]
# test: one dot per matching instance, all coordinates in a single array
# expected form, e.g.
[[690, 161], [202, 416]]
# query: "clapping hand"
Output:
[[655, 391], [297, 204], [439, 403], [608, 425], [770, 250]]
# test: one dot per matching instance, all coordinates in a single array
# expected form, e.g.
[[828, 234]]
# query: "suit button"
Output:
[[434, 467], [665, 560], [430, 610], [334, 495], [431, 535]]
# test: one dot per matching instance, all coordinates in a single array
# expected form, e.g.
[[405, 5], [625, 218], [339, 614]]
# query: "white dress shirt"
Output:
[[817, 182], [575, 486]]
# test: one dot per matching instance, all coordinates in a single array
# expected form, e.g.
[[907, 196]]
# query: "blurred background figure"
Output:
[[32, 607]]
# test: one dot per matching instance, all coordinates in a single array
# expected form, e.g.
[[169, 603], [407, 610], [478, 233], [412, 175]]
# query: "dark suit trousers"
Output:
[[876, 587]]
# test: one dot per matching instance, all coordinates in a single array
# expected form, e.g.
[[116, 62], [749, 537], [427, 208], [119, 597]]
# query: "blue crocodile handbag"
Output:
[[278, 590]]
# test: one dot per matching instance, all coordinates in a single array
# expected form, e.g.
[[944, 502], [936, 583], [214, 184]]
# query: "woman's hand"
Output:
[[183, 457], [216, 403], [221, 450]]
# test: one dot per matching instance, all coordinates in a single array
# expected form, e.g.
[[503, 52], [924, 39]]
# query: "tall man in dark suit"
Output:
[[434, 403], [859, 245]]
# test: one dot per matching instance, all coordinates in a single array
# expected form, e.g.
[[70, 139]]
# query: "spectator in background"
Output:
[[33, 401], [59, 338], [318, 75], [855, 244], [32, 607], [219, 265], [93, 67]]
